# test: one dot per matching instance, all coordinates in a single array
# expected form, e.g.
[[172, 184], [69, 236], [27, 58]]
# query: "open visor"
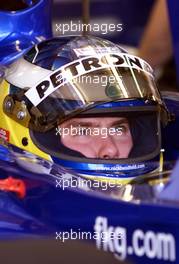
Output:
[[79, 86], [132, 136]]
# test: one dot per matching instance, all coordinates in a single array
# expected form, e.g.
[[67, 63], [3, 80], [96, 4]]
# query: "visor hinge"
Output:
[[17, 110]]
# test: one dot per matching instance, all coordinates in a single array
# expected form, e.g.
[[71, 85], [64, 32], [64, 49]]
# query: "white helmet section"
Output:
[[24, 74]]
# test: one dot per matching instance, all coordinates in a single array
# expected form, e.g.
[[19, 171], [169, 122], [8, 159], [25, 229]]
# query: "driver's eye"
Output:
[[82, 131], [123, 128]]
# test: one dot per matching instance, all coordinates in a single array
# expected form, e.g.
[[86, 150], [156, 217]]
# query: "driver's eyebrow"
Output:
[[81, 123], [94, 123], [119, 122]]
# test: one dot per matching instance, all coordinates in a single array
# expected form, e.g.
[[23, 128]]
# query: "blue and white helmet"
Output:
[[88, 77]]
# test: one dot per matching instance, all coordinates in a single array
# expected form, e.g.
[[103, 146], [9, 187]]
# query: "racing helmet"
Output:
[[77, 78]]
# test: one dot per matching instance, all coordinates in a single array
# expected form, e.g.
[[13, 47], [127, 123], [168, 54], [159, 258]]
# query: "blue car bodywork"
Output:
[[23, 28]]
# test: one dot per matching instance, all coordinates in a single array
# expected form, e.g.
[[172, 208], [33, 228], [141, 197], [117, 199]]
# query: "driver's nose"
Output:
[[108, 149]]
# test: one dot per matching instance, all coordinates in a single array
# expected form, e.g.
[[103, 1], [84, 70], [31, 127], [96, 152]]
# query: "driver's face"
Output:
[[102, 137]]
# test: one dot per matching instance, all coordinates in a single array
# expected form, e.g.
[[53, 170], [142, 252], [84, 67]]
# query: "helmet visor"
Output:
[[83, 84]]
